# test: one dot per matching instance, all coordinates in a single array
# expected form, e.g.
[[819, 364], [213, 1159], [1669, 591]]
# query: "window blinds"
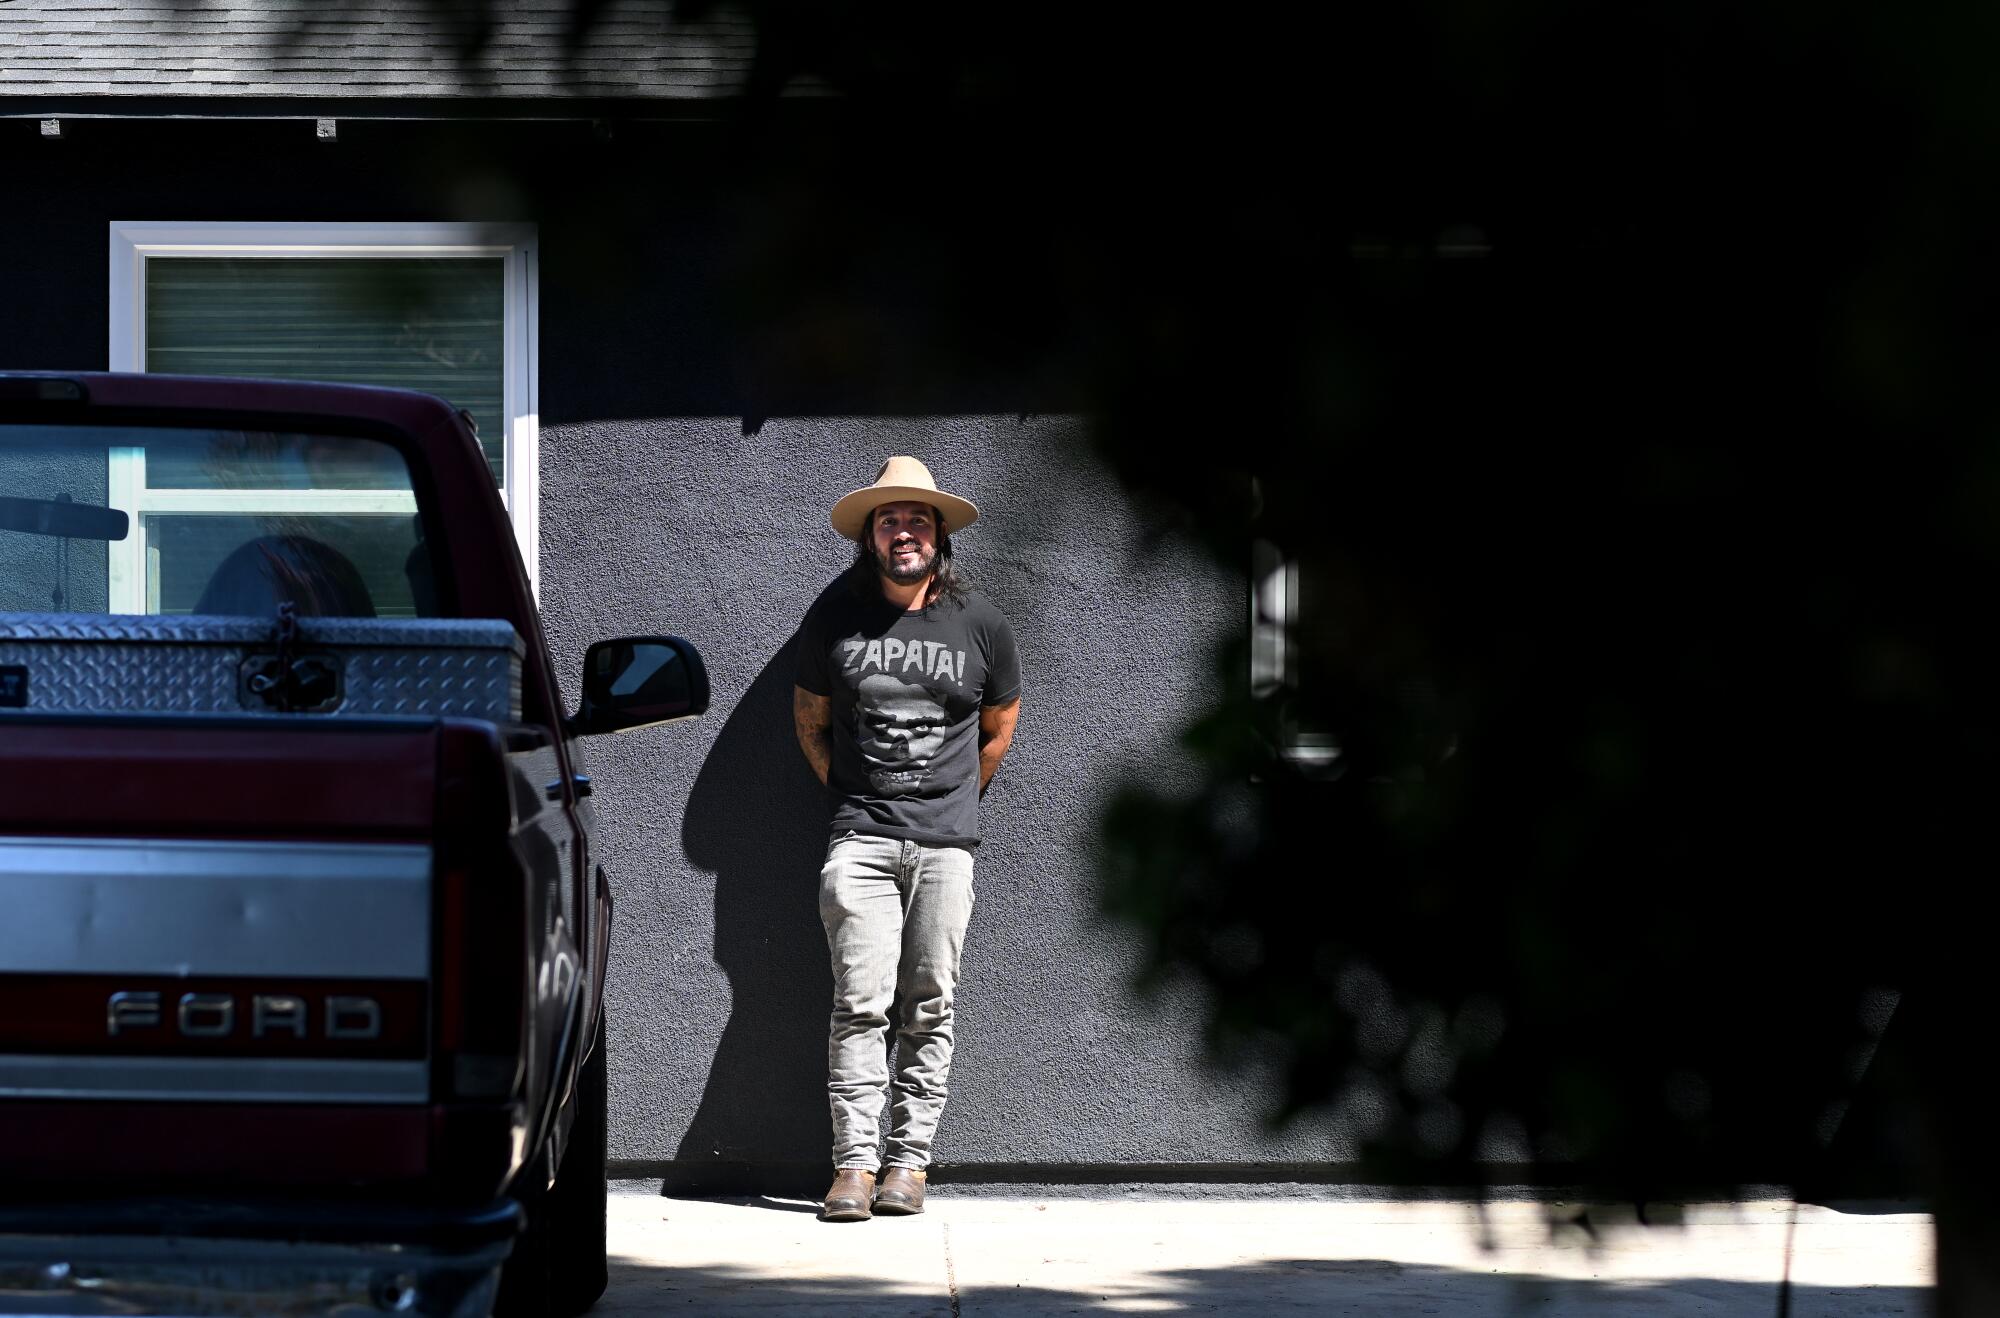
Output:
[[429, 323]]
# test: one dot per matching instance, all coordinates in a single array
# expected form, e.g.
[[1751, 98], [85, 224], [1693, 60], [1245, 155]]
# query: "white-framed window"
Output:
[[447, 308], [1278, 600]]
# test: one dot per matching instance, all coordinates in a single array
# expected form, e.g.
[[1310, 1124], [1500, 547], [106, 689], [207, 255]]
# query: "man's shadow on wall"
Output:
[[756, 818]]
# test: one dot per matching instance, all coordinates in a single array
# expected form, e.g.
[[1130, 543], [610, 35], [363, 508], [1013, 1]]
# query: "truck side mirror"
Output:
[[637, 681]]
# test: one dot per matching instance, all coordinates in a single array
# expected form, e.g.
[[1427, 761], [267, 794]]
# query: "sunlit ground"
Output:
[[976, 1256]]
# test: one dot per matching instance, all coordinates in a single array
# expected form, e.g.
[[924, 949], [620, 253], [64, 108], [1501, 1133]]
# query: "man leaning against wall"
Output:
[[908, 688]]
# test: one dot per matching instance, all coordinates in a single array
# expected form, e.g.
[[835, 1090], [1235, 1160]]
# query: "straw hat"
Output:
[[901, 478]]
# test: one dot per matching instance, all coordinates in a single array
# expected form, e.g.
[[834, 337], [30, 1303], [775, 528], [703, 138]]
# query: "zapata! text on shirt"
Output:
[[906, 689]]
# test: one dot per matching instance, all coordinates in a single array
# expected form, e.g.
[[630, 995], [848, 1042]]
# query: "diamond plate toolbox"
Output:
[[67, 663]]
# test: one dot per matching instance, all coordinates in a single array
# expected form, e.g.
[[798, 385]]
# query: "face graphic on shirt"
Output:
[[900, 729]]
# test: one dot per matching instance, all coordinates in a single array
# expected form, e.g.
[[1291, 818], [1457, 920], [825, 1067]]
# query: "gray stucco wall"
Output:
[[712, 831]]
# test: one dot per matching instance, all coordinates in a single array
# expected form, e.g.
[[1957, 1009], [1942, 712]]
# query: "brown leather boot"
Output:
[[848, 1200], [902, 1192]]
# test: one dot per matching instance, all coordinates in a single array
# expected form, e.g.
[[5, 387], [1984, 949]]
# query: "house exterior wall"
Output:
[[662, 511]]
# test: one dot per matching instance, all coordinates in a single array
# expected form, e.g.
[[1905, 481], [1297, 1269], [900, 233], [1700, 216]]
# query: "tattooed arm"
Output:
[[996, 734], [812, 719]]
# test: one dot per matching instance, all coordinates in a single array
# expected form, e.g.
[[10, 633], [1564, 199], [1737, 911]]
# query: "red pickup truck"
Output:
[[302, 937]]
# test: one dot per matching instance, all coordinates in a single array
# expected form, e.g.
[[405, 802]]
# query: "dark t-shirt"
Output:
[[906, 690]]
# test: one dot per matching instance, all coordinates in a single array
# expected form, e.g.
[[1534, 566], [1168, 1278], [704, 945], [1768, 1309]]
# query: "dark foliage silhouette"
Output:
[[1618, 382]]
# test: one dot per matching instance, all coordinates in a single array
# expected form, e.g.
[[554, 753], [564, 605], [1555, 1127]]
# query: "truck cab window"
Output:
[[179, 521]]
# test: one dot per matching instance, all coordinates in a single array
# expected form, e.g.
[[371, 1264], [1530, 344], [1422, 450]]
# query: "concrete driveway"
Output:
[[1020, 1256]]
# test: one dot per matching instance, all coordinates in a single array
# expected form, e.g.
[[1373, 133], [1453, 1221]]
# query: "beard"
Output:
[[916, 569]]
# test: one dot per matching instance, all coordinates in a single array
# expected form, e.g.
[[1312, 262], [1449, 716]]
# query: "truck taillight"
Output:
[[481, 964], [480, 997]]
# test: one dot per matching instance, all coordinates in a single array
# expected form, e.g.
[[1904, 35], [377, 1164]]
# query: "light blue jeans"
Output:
[[895, 915]]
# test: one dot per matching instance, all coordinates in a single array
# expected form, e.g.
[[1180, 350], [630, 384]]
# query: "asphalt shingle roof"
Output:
[[364, 48]]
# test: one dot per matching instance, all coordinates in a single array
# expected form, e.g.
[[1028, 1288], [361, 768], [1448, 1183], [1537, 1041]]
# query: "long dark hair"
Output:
[[865, 577]]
